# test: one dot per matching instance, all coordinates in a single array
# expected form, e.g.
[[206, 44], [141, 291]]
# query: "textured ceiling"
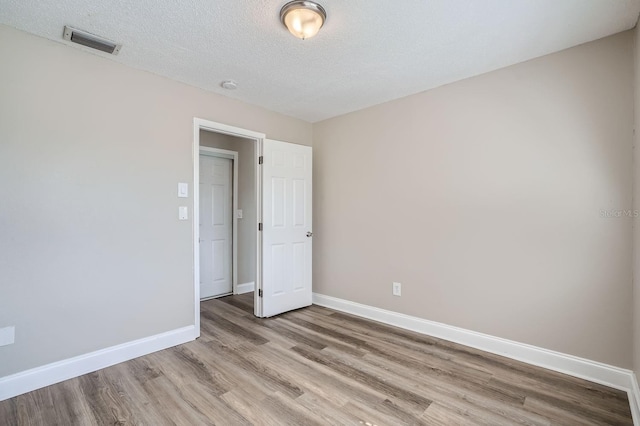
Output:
[[368, 52]]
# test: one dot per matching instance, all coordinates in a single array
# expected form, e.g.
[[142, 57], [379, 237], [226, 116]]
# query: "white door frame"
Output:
[[231, 155], [212, 126]]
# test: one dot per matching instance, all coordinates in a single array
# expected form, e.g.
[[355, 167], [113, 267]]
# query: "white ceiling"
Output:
[[368, 52]]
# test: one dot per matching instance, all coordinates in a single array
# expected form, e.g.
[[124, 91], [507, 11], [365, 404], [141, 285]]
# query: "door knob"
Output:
[[309, 234]]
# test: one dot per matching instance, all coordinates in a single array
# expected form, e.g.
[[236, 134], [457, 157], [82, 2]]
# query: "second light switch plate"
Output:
[[183, 190]]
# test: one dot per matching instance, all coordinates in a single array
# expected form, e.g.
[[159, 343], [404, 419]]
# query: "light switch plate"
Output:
[[183, 213], [239, 214], [7, 335], [183, 190]]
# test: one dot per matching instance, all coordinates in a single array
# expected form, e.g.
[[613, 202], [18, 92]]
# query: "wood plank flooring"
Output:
[[316, 366]]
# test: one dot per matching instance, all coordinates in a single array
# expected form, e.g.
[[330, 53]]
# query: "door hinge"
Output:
[[259, 292], [260, 159], [260, 226]]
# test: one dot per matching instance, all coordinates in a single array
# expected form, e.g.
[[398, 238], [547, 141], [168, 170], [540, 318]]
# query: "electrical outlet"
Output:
[[7, 335], [397, 289]]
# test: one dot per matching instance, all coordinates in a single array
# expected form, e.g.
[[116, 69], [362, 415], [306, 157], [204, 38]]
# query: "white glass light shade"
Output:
[[303, 19]]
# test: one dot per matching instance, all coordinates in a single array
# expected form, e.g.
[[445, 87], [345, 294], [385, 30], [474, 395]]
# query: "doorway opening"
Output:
[[279, 231], [226, 212]]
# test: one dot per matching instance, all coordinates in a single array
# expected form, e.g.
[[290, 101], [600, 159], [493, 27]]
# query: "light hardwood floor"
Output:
[[316, 366]]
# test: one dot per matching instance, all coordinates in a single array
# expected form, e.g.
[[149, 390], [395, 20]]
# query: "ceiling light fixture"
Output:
[[303, 19]]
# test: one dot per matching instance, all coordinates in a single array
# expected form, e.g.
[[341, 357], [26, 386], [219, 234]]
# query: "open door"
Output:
[[287, 231]]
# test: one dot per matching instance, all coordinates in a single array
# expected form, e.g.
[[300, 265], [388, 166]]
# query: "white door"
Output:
[[216, 227], [286, 236]]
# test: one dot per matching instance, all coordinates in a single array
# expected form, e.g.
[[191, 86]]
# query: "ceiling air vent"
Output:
[[93, 41]]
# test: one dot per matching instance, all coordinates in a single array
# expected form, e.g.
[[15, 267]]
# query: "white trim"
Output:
[[39, 377], [257, 302], [233, 156], [195, 227], [212, 126], [245, 288], [593, 371], [217, 296], [217, 152], [634, 400]]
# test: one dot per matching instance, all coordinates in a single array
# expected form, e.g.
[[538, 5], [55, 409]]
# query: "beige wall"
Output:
[[484, 199], [91, 251], [247, 226]]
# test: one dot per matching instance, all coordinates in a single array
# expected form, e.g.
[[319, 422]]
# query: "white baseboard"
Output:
[[36, 378], [593, 371], [245, 288], [634, 399]]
